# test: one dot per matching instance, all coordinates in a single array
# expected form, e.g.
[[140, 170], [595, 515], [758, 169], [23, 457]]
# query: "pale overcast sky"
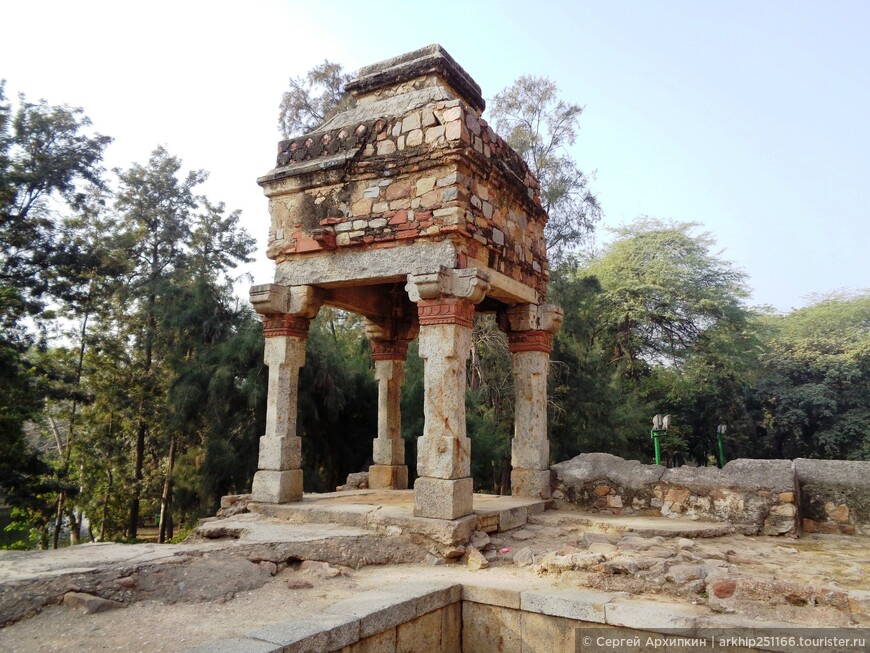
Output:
[[751, 118]]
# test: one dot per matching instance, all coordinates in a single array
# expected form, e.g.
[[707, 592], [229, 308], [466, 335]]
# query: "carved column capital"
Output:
[[285, 325], [530, 341], [535, 317], [445, 310], [389, 350], [275, 299], [469, 285]]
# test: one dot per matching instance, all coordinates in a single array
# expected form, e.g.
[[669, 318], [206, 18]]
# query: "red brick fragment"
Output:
[[723, 589]]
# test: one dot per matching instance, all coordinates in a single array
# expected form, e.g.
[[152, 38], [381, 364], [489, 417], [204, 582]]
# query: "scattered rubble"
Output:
[[475, 560], [90, 604], [355, 481]]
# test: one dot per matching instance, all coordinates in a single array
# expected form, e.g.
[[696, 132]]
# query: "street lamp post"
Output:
[[660, 428], [720, 433]]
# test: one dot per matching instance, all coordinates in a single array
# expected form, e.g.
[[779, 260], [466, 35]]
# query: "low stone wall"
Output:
[[756, 496], [834, 496], [774, 497]]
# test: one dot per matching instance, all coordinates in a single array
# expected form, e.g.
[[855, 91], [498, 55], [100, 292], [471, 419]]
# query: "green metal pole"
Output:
[[655, 437], [721, 451]]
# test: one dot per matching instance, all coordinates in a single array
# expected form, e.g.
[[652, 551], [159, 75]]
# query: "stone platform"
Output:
[[382, 509]]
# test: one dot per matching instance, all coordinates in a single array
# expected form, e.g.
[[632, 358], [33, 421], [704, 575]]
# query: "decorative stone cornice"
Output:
[[531, 317], [389, 350], [530, 341], [445, 310], [469, 285], [275, 299], [347, 139], [286, 325]]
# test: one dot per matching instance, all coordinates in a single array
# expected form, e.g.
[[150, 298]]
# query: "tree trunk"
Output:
[[166, 498], [58, 520], [476, 373], [106, 506], [142, 428], [75, 524], [505, 486]]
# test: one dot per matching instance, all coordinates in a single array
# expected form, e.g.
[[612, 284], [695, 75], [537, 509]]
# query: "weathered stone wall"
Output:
[[834, 496], [764, 496], [417, 163]]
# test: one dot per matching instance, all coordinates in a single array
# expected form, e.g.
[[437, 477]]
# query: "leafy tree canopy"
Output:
[[816, 382], [540, 126], [663, 288], [313, 99]]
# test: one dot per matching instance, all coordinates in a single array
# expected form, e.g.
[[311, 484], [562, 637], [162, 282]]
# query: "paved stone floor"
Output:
[[250, 570]]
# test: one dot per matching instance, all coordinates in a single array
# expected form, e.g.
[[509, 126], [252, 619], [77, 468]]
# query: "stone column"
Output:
[[389, 469], [530, 341], [286, 318], [445, 308]]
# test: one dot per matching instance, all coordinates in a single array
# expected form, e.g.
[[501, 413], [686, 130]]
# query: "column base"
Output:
[[280, 453], [388, 451], [393, 477], [440, 498], [531, 483], [530, 454], [277, 487]]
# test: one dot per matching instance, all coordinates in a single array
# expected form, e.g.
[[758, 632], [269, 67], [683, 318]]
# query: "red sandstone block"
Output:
[[307, 245], [398, 190], [455, 229], [724, 589], [402, 235], [401, 217]]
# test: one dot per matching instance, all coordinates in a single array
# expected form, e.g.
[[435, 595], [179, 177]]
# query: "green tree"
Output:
[[663, 288], [199, 330], [815, 385], [170, 369], [655, 323], [46, 152], [338, 400], [155, 202], [313, 99], [540, 126]]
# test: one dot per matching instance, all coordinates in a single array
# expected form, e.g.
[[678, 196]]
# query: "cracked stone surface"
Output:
[[250, 573]]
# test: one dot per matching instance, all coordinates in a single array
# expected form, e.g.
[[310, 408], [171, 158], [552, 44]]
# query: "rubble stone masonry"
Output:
[[434, 172]]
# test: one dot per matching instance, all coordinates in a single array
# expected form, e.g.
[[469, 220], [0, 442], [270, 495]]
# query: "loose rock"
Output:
[[298, 584], [475, 560], [319, 569], [90, 604], [524, 557]]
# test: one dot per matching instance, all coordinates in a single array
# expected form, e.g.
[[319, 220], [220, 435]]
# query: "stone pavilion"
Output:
[[408, 209]]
